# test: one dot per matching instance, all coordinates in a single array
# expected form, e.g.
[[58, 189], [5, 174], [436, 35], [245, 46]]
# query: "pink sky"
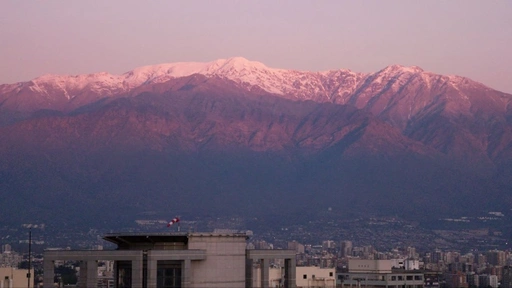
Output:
[[469, 38]]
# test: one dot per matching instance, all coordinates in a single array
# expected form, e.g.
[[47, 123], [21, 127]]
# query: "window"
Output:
[[400, 278], [168, 274], [418, 277], [393, 278], [313, 276], [305, 276], [330, 274], [409, 277], [124, 274]]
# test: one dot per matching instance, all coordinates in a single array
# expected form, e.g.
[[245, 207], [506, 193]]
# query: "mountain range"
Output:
[[235, 137]]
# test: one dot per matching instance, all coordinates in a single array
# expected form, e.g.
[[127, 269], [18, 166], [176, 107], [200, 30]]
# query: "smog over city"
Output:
[[346, 131]]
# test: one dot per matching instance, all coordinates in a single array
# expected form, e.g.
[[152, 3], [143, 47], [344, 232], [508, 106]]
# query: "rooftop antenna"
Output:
[[29, 255]]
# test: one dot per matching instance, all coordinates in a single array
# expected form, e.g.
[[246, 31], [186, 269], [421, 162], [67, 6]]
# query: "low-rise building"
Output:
[[312, 276], [11, 277], [377, 274], [191, 260]]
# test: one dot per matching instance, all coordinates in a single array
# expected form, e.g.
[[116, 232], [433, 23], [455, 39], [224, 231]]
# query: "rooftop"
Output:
[[180, 237]]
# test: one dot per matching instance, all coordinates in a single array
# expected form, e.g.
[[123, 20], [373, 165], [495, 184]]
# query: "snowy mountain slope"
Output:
[[55, 91], [420, 104], [370, 91], [203, 146], [223, 136]]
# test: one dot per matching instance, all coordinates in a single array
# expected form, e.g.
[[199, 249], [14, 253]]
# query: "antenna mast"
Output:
[[29, 256]]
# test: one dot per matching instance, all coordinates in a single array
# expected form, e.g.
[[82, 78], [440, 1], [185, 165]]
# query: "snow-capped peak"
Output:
[[331, 86], [240, 63], [402, 69]]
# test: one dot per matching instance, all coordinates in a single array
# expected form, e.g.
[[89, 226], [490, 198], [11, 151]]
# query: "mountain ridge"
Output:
[[405, 97], [294, 84], [392, 140]]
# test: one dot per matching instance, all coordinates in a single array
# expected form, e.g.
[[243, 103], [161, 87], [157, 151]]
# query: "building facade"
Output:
[[12, 278], [377, 274], [174, 260], [311, 276], [506, 282]]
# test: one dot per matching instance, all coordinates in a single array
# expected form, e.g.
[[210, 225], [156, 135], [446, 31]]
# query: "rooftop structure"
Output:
[[175, 260], [378, 273]]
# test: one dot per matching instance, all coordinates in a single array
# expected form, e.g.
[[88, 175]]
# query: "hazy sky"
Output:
[[468, 38]]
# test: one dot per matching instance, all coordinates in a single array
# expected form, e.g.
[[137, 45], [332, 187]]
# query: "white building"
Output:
[[376, 274], [488, 280], [306, 277], [407, 264]]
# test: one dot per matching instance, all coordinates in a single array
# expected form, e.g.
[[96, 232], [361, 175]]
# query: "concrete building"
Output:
[[377, 274], [175, 260], [275, 276], [456, 280], [6, 248], [311, 276], [407, 264], [346, 248], [294, 245], [496, 257], [506, 282], [328, 244], [307, 277], [13, 278], [488, 281], [472, 279]]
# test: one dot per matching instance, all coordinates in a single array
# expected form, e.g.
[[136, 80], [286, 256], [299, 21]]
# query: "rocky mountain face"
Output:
[[200, 137]]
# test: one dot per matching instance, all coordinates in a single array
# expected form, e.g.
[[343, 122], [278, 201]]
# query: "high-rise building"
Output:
[[472, 279], [328, 244], [449, 257], [294, 245], [496, 257], [506, 281], [488, 281], [6, 248], [456, 280], [411, 253], [346, 248], [437, 256], [481, 259]]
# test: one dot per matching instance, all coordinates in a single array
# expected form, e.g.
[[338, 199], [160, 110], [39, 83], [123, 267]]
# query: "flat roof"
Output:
[[169, 237]]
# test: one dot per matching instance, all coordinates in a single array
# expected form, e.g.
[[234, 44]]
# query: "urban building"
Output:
[[12, 278], [10, 259], [456, 280], [496, 257], [311, 276], [346, 248], [377, 274], [294, 245], [165, 260], [506, 282], [307, 277], [488, 281], [6, 248], [473, 279]]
